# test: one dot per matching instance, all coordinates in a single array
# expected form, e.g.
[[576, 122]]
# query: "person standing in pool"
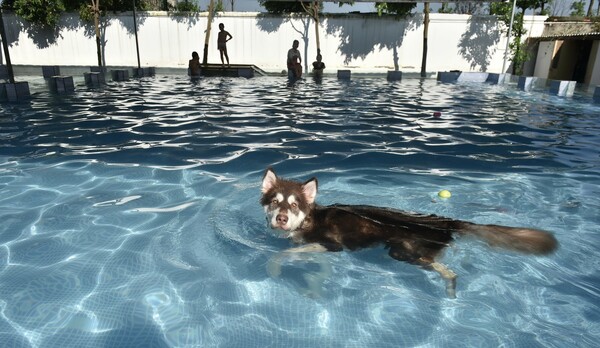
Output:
[[294, 61], [194, 65], [318, 66], [222, 39]]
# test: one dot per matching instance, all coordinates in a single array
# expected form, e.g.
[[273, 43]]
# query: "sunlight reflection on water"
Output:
[[131, 218]]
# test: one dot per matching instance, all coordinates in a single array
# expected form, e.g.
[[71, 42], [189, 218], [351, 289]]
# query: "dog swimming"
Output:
[[415, 238]]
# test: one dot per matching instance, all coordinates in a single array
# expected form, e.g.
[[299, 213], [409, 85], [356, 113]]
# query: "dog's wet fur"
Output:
[[411, 237]]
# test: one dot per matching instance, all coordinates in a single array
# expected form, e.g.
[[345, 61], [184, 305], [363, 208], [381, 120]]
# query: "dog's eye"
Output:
[[274, 201], [294, 205]]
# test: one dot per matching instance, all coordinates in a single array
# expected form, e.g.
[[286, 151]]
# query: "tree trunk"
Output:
[[211, 14], [517, 60], [11, 75], [137, 46], [425, 34], [96, 9], [316, 18]]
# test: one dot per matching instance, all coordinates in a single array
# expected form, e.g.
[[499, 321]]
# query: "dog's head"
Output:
[[286, 202]]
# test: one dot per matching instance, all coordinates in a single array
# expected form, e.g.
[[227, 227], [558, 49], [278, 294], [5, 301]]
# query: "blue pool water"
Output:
[[130, 216]]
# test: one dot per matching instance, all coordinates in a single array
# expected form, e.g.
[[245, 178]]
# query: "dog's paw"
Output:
[[451, 288], [274, 267]]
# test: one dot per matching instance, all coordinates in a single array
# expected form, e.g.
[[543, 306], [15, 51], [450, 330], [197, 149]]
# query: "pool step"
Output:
[[394, 75], [144, 72], [498, 79], [13, 92], [120, 74], [527, 83], [61, 84], [94, 79], [344, 74], [562, 88], [50, 70], [233, 70]]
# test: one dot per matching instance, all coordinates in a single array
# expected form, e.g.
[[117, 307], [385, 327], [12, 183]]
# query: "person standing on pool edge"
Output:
[[222, 39], [294, 61]]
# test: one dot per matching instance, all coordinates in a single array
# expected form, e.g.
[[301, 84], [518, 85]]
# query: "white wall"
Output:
[[593, 70], [357, 42], [544, 58]]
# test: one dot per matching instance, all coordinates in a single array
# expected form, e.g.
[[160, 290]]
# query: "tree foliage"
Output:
[[190, 6], [39, 12], [578, 9], [48, 12], [400, 9], [286, 6], [517, 47]]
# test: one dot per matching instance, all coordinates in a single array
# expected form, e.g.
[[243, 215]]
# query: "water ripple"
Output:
[[131, 218]]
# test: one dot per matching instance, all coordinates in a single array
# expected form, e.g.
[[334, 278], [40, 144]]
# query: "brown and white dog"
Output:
[[415, 238]]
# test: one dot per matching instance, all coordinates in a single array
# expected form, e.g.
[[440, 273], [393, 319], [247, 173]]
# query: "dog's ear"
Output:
[[269, 180], [309, 189]]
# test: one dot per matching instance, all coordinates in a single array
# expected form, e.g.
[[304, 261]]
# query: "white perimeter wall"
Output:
[[362, 43]]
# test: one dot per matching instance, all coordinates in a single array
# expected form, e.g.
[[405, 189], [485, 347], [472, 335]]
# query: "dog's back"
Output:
[[410, 237]]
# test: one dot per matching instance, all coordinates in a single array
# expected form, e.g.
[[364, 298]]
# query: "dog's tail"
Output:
[[525, 240]]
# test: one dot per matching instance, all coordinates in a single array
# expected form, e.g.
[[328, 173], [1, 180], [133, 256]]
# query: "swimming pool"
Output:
[[130, 214]]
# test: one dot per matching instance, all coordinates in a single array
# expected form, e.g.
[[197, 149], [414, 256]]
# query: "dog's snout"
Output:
[[282, 219]]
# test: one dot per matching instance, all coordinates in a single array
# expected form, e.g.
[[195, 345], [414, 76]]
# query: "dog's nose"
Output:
[[282, 219]]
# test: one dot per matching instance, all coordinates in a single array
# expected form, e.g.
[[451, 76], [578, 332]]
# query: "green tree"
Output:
[[577, 9], [445, 8], [400, 9], [517, 47], [284, 6], [39, 12], [542, 6], [189, 6]]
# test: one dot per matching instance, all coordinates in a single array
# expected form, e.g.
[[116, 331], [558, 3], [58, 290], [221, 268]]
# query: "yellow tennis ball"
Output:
[[444, 194]]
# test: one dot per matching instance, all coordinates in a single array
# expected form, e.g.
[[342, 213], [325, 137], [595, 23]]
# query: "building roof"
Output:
[[577, 36]]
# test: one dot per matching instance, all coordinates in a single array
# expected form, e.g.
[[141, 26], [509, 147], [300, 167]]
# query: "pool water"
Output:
[[130, 216]]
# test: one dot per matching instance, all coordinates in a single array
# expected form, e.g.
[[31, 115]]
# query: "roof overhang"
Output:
[[583, 36]]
